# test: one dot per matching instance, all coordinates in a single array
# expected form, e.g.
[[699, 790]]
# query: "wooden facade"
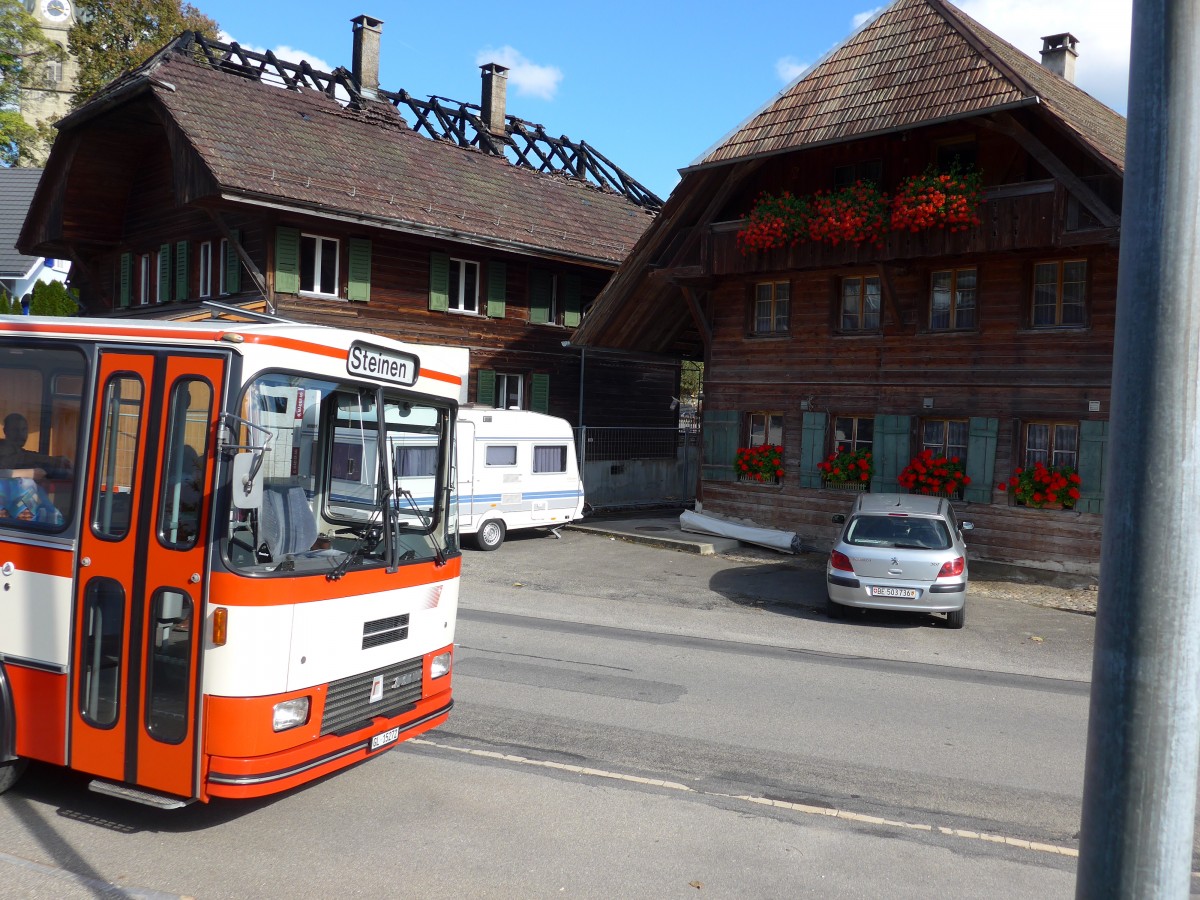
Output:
[[997, 379], [187, 181]]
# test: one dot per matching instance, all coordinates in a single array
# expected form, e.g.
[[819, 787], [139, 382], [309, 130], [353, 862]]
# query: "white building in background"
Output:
[[54, 101], [19, 273]]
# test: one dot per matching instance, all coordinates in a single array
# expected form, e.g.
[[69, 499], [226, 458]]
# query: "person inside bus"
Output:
[[13, 454]]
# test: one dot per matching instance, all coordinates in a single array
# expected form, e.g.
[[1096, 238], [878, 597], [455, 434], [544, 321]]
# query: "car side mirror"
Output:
[[839, 519], [968, 526]]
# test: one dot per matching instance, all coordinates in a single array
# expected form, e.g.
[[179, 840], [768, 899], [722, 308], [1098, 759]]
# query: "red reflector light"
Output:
[[954, 567], [841, 561]]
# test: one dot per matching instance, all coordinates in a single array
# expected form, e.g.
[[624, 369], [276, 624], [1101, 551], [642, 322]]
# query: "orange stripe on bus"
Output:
[[237, 590], [101, 333], [42, 560], [40, 709]]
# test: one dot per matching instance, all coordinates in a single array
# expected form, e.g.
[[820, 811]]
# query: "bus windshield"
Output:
[[343, 487]]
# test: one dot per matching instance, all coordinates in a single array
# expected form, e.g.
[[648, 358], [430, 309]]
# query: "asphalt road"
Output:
[[636, 722]]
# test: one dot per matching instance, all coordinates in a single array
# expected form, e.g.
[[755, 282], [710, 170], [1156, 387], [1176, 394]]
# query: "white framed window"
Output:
[[510, 392], [861, 303], [771, 307], [318, 265], [952, 300], [464, 285], [1052, 443], [147, 281], [222, 262], [500, 455], [550, 458], [205, 265]]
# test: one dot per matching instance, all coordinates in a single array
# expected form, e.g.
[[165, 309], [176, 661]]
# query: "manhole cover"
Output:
[[651, 528]]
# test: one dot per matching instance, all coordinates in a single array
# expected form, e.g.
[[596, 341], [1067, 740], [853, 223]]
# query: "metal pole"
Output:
[[1144, 734]]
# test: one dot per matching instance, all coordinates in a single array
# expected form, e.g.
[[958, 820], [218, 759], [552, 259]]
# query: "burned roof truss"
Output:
[[524, 144]]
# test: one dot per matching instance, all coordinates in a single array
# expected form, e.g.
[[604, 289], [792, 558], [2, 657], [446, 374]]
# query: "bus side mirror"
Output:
[[247, 487], [839, 519]]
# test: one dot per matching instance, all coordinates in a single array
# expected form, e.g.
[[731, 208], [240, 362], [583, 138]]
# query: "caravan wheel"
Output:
[[490, 535]]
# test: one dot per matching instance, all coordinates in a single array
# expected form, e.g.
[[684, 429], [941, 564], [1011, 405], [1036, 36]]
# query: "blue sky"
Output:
[[650, 84]]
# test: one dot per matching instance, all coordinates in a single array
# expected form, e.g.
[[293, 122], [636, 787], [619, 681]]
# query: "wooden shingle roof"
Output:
[[306, 148], [918, 62]]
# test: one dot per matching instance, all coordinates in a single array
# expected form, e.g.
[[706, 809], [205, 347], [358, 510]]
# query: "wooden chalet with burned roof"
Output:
[[215, 173], [983, 337]]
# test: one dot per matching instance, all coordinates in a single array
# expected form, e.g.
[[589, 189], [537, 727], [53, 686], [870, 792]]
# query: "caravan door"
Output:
[[466, 473]]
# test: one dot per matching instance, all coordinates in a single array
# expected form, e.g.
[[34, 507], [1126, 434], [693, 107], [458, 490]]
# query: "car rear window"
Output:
[[898, 531]]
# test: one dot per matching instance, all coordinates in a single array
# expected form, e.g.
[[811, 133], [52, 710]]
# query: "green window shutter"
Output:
[[164, 273], [486, 390], [812, 448], [359, 284], [541, 291], [497, 289], [539, 393], [126, 283], [182, 255], [439, 281], [233, 264], [287, 260], [719, 431], [571, 300], [813, 437], [1093, 448], [981, 460], [891, 452]]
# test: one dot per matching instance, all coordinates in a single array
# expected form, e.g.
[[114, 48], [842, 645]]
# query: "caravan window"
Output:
[[502, 455], [550, 459]]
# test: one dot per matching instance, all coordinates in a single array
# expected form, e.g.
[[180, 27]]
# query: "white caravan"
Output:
[[516, 469]]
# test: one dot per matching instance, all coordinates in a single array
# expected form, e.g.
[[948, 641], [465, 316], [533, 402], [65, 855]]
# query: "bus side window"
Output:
[[180, 506], [112, 500]]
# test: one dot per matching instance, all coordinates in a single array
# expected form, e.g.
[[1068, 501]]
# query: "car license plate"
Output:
[[382, 740], [903, 593]]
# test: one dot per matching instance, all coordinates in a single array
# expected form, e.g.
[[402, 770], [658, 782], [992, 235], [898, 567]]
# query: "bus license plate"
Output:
[[904, 593], [382, 740]]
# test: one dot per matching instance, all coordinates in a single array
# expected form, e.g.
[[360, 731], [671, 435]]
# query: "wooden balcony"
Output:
[[1025, 216]]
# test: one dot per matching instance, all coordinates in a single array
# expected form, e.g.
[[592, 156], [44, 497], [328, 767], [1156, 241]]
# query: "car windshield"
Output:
[[910, 532]]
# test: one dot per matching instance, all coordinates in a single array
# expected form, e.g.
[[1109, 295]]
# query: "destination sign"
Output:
[[383, 365]]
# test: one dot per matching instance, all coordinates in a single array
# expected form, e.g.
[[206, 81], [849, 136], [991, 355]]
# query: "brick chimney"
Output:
[[366, 55], [495, 87], [1059, 54]]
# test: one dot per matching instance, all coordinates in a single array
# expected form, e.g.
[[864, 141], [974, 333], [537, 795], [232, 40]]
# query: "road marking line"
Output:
[[807, 809]]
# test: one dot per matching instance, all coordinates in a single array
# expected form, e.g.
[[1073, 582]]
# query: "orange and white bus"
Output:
[[228, 560]]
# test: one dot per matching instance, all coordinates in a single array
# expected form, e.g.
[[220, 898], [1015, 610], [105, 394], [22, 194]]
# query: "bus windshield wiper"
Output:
[[369, 536], [439, 555]]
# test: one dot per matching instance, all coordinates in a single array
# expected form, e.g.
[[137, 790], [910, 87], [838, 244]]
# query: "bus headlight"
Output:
[[290, 713], [439, 665]]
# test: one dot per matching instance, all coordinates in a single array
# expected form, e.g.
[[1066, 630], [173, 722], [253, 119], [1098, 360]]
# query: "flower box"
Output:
[[1043, 487], [856, 486], [759, 465], [847, 470], [934, 476]]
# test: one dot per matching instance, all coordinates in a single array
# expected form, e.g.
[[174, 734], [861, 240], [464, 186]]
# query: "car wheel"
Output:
[[10, 771], [490, 535], [834, 610], [956, 618]]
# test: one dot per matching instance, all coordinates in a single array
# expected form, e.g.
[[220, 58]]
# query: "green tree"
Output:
[[113, 36], [52, 298], [24, 54]]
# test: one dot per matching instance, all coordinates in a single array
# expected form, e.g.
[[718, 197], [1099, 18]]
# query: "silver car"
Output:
[[903, 552]]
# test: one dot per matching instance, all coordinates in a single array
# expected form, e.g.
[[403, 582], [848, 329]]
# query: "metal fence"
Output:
[[639, 466]]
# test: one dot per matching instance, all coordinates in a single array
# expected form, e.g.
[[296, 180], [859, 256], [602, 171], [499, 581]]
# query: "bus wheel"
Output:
[[490, 534], [11, 771]]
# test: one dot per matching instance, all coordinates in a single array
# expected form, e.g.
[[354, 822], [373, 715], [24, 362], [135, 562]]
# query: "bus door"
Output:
[[139, 605]]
